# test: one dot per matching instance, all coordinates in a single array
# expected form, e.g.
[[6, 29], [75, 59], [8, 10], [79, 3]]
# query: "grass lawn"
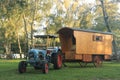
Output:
[[109, 71]]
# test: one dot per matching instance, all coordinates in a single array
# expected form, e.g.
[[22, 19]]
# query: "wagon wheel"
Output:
[[45, 68], [22, 66], [97, 60], [83, 64], [57, 60]]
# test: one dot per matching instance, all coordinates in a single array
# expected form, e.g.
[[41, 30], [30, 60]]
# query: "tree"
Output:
[[108, 27], [69, 13], [11, 21]]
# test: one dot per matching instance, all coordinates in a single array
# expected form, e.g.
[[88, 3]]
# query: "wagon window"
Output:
[[97, 38]]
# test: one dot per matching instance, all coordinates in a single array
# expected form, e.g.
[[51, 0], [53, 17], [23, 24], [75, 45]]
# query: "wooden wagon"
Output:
[[85, 46]]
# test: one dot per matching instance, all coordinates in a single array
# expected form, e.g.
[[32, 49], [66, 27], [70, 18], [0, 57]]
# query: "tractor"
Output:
[[41, 56]]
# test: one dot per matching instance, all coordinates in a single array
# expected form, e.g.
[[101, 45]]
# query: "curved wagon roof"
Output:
[[68, 30]]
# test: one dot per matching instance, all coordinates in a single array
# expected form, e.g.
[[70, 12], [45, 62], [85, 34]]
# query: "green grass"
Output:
[[109, 71]]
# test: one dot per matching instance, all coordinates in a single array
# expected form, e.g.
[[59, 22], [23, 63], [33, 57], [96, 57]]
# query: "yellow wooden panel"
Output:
[[108, 44], [85, 43], [87, 57], [107, 57], [78, 57]]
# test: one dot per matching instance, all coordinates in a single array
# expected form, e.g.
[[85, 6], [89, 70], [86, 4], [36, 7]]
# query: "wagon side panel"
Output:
[[86, 43], [108, 44]]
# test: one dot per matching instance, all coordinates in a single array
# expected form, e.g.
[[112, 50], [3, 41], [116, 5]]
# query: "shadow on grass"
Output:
[[31, 70], [78, 65]]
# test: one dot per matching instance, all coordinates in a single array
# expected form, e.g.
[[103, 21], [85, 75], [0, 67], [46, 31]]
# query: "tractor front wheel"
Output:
[[22, 66], [57, 61], [45, 68]]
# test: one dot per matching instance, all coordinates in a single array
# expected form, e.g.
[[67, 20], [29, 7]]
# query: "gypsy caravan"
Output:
[[85, 46]]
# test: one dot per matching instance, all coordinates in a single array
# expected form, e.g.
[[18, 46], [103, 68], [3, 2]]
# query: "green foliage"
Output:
[[111, 10], [10, 20], [8, 7], [15, 48]]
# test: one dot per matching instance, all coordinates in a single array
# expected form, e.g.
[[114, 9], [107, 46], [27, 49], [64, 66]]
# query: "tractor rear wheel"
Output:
[[22, 66], [45, 68], [97, 61], [57, 60]]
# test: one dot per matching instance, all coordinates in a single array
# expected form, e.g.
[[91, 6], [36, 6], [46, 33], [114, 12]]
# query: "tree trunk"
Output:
[[33, 11], [7, 50], [19, 46], [108, 27], [26, 36]]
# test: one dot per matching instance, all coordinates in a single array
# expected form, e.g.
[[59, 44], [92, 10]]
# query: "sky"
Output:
[[90, 1]]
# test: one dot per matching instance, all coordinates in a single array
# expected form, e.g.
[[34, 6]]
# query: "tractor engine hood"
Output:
[[36, 52]]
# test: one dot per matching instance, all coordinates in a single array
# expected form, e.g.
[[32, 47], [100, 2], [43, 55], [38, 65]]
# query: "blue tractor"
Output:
[[40, 58]]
